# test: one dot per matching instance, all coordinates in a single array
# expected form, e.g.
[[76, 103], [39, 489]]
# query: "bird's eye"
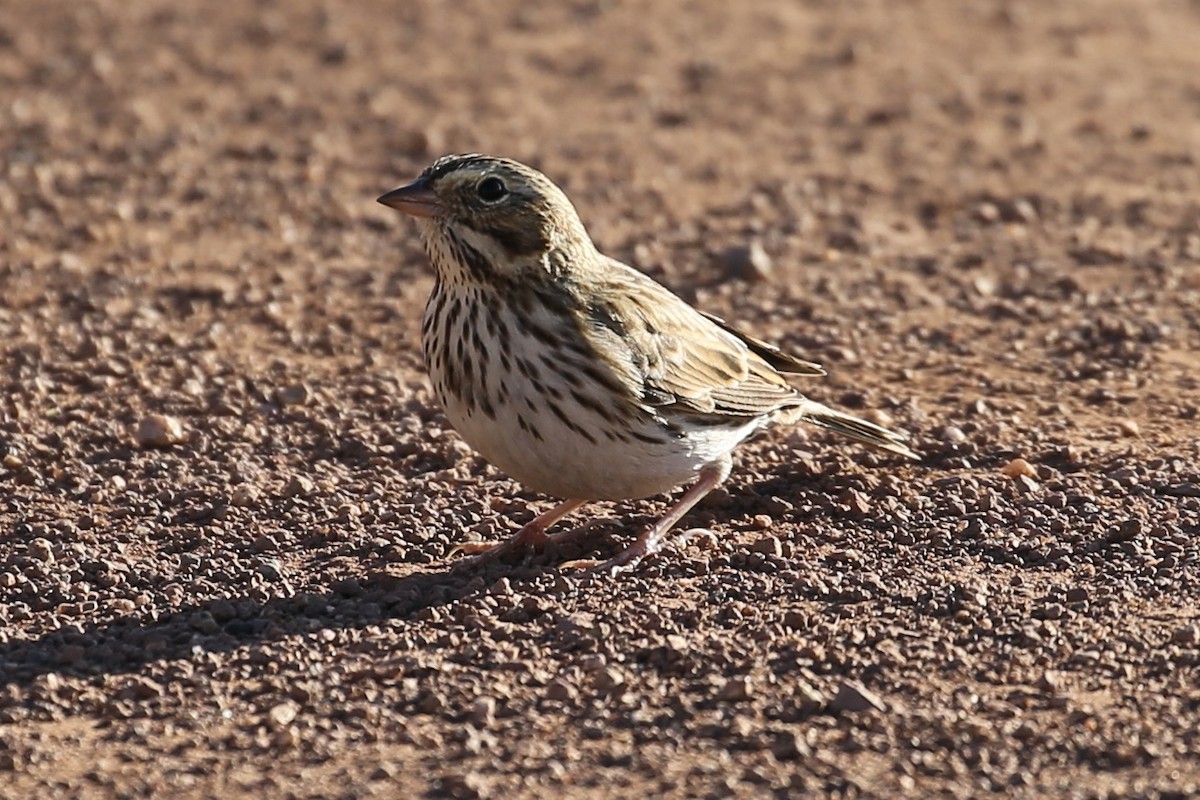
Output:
[[491, 190]]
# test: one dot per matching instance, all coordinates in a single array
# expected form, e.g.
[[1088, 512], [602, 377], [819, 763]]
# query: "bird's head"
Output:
[[484, 216]]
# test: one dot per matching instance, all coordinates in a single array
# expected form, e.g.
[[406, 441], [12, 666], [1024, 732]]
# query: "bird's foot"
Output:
[[629, 558], [530, 537], [653, 538], [624, 561]]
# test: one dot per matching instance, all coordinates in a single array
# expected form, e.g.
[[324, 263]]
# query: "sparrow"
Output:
[[576, 374]]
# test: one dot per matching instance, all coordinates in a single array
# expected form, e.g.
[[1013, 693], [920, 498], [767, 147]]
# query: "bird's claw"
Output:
[[631, 557], [596, 566], [472, 548]]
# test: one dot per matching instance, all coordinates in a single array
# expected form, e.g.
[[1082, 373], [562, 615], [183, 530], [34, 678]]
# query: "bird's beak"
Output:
[[416, 198]]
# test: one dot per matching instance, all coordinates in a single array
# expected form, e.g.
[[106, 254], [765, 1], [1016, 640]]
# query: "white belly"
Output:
[[585, 456], [561, 462]]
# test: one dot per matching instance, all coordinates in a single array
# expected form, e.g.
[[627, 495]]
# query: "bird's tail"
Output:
[[851, 426]]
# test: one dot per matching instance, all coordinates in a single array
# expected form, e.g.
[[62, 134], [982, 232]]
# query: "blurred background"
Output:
[[159, 124]]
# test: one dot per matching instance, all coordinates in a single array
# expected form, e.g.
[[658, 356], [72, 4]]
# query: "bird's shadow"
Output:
[[125, 644]]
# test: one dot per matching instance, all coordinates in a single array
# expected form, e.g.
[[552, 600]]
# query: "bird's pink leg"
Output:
[[532, 534], [651, 540]]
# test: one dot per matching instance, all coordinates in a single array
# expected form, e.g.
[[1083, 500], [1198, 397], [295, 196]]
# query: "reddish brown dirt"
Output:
[[983, 218]]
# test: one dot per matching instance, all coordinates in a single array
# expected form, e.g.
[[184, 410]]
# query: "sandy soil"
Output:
[[983, 218]]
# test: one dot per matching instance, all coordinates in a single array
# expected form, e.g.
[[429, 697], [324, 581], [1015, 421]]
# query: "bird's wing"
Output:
[[675, 356], [768, 352]]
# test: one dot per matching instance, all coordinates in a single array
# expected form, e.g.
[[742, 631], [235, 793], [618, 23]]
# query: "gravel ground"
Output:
[[227, 501]]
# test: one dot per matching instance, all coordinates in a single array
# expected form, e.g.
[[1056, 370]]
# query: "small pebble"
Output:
[[559, 690], [243, 495], [40, 550], [1189, 634], [158, 430], [298, 486], [482, 712], [790, 745], [1019, 468], [295, 395], [736, 689], [1049, 682], [608, 679], [953, 435], [770, 545], [857, 502], [987, 212], [795, 620], [285, 738], [855, 697], [283, 714], [1128, 529], [1077, 594], [748, 262]]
